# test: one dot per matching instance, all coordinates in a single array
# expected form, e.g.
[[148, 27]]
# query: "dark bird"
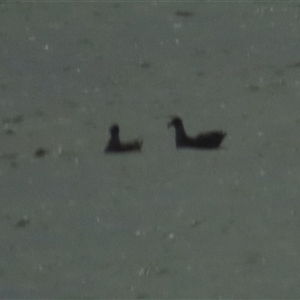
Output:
[[206, 140], [115, 145]]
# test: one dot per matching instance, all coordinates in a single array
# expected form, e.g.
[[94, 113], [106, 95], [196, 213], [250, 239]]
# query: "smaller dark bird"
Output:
[[115, 145], [206, 140]]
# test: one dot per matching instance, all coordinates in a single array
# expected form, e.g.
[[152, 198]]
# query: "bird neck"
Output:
[[180, 133], [115, 137]]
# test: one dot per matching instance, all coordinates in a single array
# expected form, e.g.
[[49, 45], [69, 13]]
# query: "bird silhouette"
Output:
[[115, 145], [206, 140]]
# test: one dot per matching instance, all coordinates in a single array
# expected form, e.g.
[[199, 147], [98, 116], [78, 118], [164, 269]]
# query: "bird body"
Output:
[[206, 140], [115, 145]]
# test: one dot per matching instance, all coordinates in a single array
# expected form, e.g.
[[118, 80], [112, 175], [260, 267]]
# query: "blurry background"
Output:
[[165, 223]]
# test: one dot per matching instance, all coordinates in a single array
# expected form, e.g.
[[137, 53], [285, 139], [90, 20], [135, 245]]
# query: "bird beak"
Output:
[[172, 117]]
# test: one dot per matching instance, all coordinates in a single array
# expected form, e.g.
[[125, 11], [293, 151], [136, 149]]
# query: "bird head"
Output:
[[175, 122], [114, 129]]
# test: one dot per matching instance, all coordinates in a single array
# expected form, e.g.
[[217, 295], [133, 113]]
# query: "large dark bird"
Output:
[[206, 140], [115, 145]]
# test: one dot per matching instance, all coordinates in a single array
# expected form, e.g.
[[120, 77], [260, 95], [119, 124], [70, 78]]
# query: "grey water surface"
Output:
[[163, 223]]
